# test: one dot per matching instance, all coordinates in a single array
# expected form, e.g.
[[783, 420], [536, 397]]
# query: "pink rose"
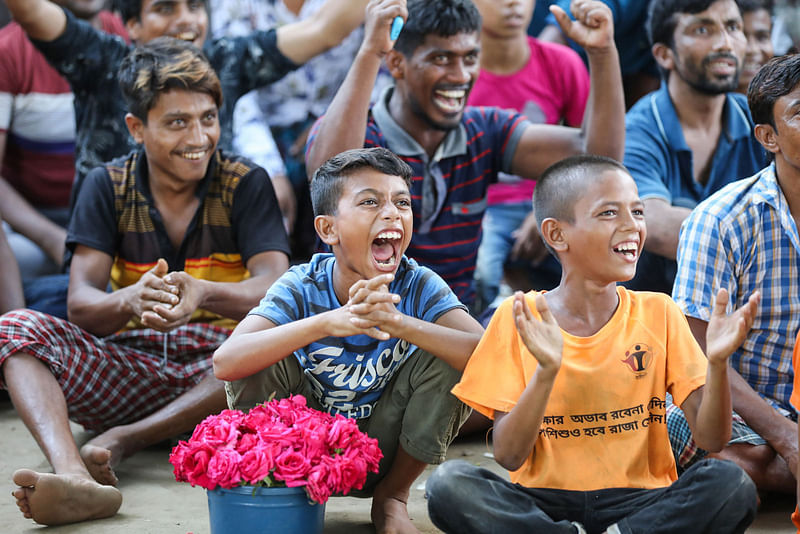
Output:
[[219, 430], [318, 486], [343, 433], [195, 464], [247, 442], [291, 467], [353, 469], [257, 463], [223, 468]]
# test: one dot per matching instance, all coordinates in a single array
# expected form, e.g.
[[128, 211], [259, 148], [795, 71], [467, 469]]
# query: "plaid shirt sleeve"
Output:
[[705, 264]]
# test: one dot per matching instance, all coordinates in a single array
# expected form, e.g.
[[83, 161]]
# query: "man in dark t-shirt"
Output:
[[90, 60], [190, 238]]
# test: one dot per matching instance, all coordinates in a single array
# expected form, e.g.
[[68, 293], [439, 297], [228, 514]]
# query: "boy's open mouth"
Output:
[[384, 248], [629, 249]]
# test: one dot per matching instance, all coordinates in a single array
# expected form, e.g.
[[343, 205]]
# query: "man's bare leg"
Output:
[[104, 452], [71, 494], [389, 511], [767, 468]]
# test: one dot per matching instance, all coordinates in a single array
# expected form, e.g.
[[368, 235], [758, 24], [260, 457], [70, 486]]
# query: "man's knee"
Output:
[[279, 380], [450, 484], [728, 483]]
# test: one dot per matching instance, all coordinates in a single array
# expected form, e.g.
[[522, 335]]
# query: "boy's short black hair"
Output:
[[327, 183], [163, 64], [560, 186], [132, 9], [443, 18], [776, 78]]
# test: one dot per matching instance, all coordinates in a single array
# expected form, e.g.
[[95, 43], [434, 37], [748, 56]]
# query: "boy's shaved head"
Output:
[[561, 185]]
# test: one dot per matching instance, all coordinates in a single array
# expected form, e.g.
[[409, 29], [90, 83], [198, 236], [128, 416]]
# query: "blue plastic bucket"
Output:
[[268, 510]]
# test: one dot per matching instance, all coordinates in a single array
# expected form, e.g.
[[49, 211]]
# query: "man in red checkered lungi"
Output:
[[190, 238]]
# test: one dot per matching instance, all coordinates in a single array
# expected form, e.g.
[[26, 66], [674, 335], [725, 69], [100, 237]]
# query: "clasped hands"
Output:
[[369, 310], [165, 300]]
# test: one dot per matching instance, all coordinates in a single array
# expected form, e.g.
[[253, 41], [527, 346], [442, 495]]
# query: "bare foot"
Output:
[[58, 499], [98, 462], [390, 516]]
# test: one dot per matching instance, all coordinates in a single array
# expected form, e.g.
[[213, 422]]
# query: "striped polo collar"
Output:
[[402, 144]]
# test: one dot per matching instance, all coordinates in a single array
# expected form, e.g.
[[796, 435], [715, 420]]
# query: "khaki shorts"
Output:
[[416, 409]]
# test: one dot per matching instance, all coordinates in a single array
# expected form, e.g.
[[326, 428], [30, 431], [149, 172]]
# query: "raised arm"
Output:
[[41, 19], [603, 129], [344, 125], [326, 28], [708, 408], [515, 433], [779, 431]]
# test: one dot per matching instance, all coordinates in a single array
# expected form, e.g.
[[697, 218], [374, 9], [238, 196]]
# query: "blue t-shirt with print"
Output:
[[348, 374]]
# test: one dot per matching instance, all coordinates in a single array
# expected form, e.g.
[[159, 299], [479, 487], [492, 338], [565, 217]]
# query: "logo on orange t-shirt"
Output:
[[638, 358]]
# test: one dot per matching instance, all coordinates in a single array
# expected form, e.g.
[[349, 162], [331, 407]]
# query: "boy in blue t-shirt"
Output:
[[375, 336]]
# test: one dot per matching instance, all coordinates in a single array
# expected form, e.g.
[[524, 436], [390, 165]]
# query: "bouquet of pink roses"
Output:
[[279, 443]]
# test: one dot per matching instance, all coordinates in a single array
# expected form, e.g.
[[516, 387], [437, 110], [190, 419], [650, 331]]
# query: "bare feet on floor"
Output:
[[52, 499], [100, 464], [390, 516]]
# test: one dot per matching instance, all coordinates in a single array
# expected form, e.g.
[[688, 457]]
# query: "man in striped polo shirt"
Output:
[[190, 238], [455, 150]]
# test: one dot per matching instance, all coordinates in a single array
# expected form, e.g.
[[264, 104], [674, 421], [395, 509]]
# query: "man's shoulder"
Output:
[[732, 200], [233, 166], [646, 109], [491, 121], [119, 168], [13, 36]]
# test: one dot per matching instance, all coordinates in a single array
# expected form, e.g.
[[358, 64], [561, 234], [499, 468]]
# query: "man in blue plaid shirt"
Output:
[[744, 238]]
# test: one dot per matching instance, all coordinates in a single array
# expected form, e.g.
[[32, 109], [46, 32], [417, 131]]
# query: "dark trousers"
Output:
[[713, 496]]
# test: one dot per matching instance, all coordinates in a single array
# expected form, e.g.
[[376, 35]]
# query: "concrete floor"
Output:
[[155, 504]]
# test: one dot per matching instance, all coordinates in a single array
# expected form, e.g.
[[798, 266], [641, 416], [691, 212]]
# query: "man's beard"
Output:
[[699, 79]]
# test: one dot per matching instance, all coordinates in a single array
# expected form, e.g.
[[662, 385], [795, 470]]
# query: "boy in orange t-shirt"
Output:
[[576, 382], [795, 401]]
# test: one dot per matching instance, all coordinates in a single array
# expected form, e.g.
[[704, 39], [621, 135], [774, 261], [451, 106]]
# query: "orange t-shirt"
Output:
[[795, 401], [605, 425]]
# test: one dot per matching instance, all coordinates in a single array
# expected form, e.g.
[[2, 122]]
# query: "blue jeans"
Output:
[[48, 294], [499, 222], [713, 496]]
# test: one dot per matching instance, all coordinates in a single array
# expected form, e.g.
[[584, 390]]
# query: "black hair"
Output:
[[561, 185], [443, 18], [163, 64], [776, 78], [662, 18], [748, 6], [327, 184], [132, 9]]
